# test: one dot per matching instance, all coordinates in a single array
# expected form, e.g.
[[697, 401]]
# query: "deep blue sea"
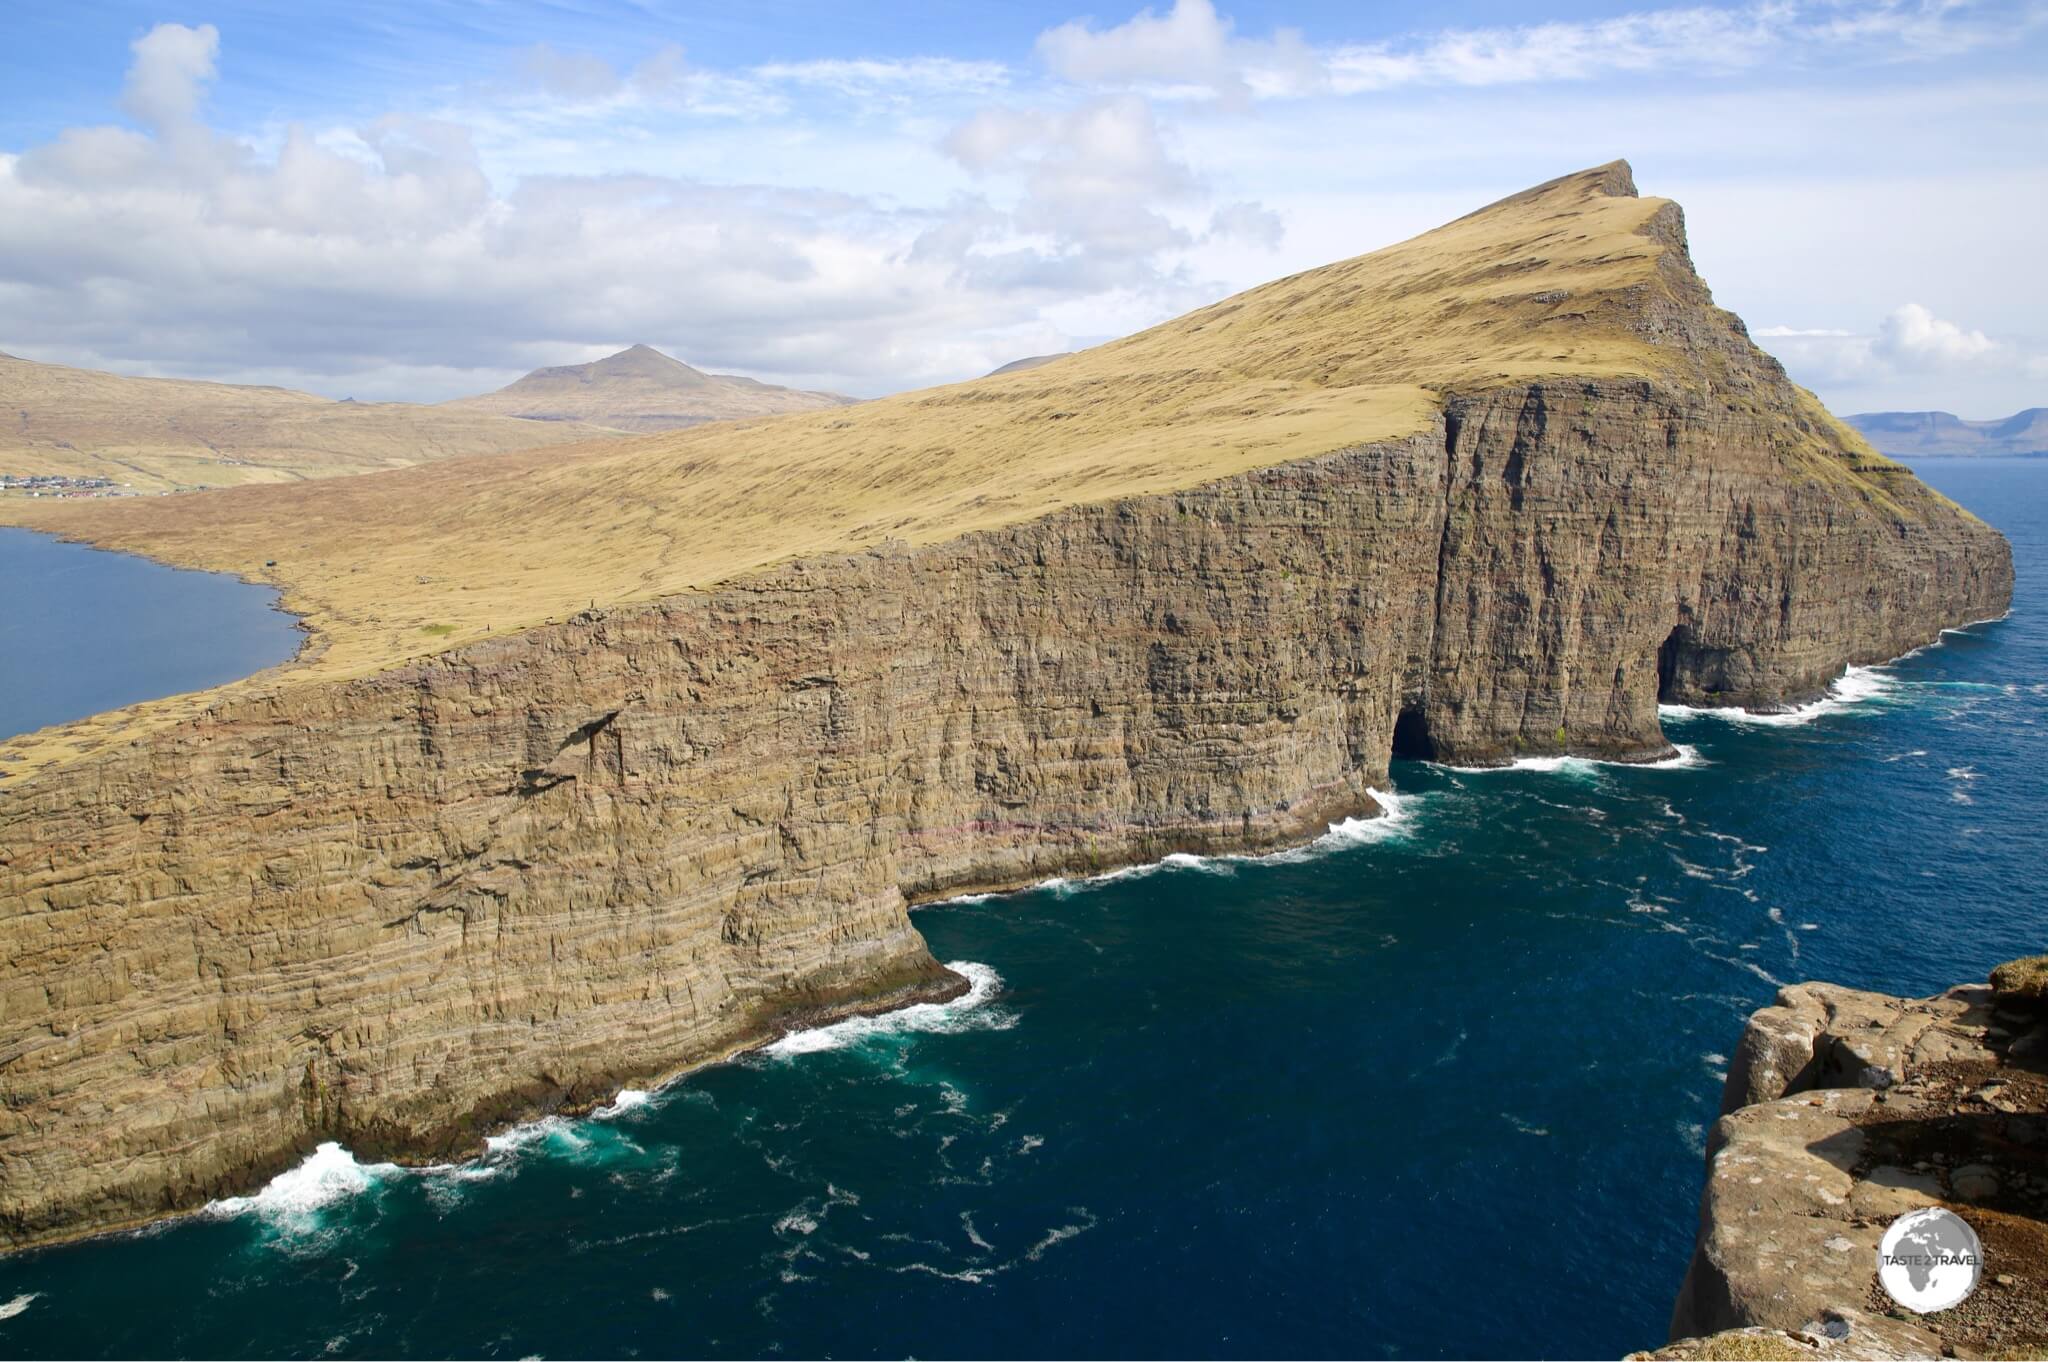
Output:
[[1432, 1088], [83, 630]]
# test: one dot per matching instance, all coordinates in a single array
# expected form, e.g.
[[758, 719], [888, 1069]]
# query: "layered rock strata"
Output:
[[398, 909]]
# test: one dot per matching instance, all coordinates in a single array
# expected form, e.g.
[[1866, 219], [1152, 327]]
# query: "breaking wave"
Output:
[[1685, 756], [968, 1012], [1855, 686], [1395, 820], [292, 1203]]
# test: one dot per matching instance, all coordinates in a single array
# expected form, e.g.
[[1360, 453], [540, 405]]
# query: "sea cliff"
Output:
[[399, 908]]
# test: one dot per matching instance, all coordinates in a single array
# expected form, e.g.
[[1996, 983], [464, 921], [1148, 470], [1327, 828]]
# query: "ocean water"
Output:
[[1435, 1086], [83, 630]]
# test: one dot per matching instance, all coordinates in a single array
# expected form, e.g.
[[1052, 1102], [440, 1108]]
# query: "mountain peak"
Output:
[[643, 360], [641, 389]]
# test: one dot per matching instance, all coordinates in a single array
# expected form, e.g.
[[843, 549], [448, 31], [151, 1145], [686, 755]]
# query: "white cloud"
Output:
[[1910, 354], [1094, 180], [1249, 223], [1192, 50], [172, 65], [361, 254], [1790, 332], [569, 75], [1190, 47], [1912, 335], [869, 223], [1696, 39], [870, 78]]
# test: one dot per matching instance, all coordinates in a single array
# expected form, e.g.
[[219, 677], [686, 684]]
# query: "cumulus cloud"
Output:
[[857, 223], [1101, 204], [172, 66], [356, 256], [1912, 335], [1910, 351], [1190, 47]]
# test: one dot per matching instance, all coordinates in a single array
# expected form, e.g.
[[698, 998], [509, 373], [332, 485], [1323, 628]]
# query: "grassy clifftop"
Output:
[[383, 566], [1577, 277]]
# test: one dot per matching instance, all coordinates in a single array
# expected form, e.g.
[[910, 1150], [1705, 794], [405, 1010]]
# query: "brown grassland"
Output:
[[395, 565]]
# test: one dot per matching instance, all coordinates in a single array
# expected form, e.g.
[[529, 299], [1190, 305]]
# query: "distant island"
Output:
[[1943, 435]]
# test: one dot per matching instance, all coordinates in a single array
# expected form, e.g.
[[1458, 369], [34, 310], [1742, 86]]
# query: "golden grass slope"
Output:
[[641, 389], [161, 434], [1552, 282]]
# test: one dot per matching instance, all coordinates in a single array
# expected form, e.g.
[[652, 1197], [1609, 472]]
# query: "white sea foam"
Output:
[[629, 1099], [1685, 756], [18, 1304], [292, 1202], [557, 1130], [968, 1012], [1855, 686], [1395, 820]]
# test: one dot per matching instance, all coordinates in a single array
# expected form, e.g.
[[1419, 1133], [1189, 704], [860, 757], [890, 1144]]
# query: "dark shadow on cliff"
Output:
[[1412, 741]]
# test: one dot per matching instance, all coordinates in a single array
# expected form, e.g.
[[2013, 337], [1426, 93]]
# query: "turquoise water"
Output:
[[1433, 1088], [83, 630]]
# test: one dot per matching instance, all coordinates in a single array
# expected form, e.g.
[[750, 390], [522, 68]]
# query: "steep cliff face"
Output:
[[399, 908]]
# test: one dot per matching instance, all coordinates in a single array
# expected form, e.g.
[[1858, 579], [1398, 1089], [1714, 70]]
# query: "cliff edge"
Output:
[[611, 761], [1844, 1110]]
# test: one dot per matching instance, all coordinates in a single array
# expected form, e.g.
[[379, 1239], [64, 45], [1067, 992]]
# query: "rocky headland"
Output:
[[1844, 1110], [1493, 493]]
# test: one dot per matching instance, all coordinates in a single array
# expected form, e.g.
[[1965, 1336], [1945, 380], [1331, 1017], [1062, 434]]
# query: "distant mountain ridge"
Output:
[[175, 434], [1940, 434], [641, 389]]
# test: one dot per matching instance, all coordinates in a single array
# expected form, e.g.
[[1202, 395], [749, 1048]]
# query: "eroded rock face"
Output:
[[1843, 1111], [398, 910]]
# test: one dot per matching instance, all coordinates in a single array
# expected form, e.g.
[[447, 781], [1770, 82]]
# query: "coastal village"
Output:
[[57, 485]]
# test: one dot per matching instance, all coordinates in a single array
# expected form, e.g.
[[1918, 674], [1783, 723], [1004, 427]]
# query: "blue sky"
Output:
[[424, 199]]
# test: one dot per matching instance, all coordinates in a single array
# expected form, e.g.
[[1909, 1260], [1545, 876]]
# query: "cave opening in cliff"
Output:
[[1411, 736], [1668, 656]]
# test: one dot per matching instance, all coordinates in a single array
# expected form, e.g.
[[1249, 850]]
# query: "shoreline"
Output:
[[951, 988], [1386, 822], [308, 647]]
